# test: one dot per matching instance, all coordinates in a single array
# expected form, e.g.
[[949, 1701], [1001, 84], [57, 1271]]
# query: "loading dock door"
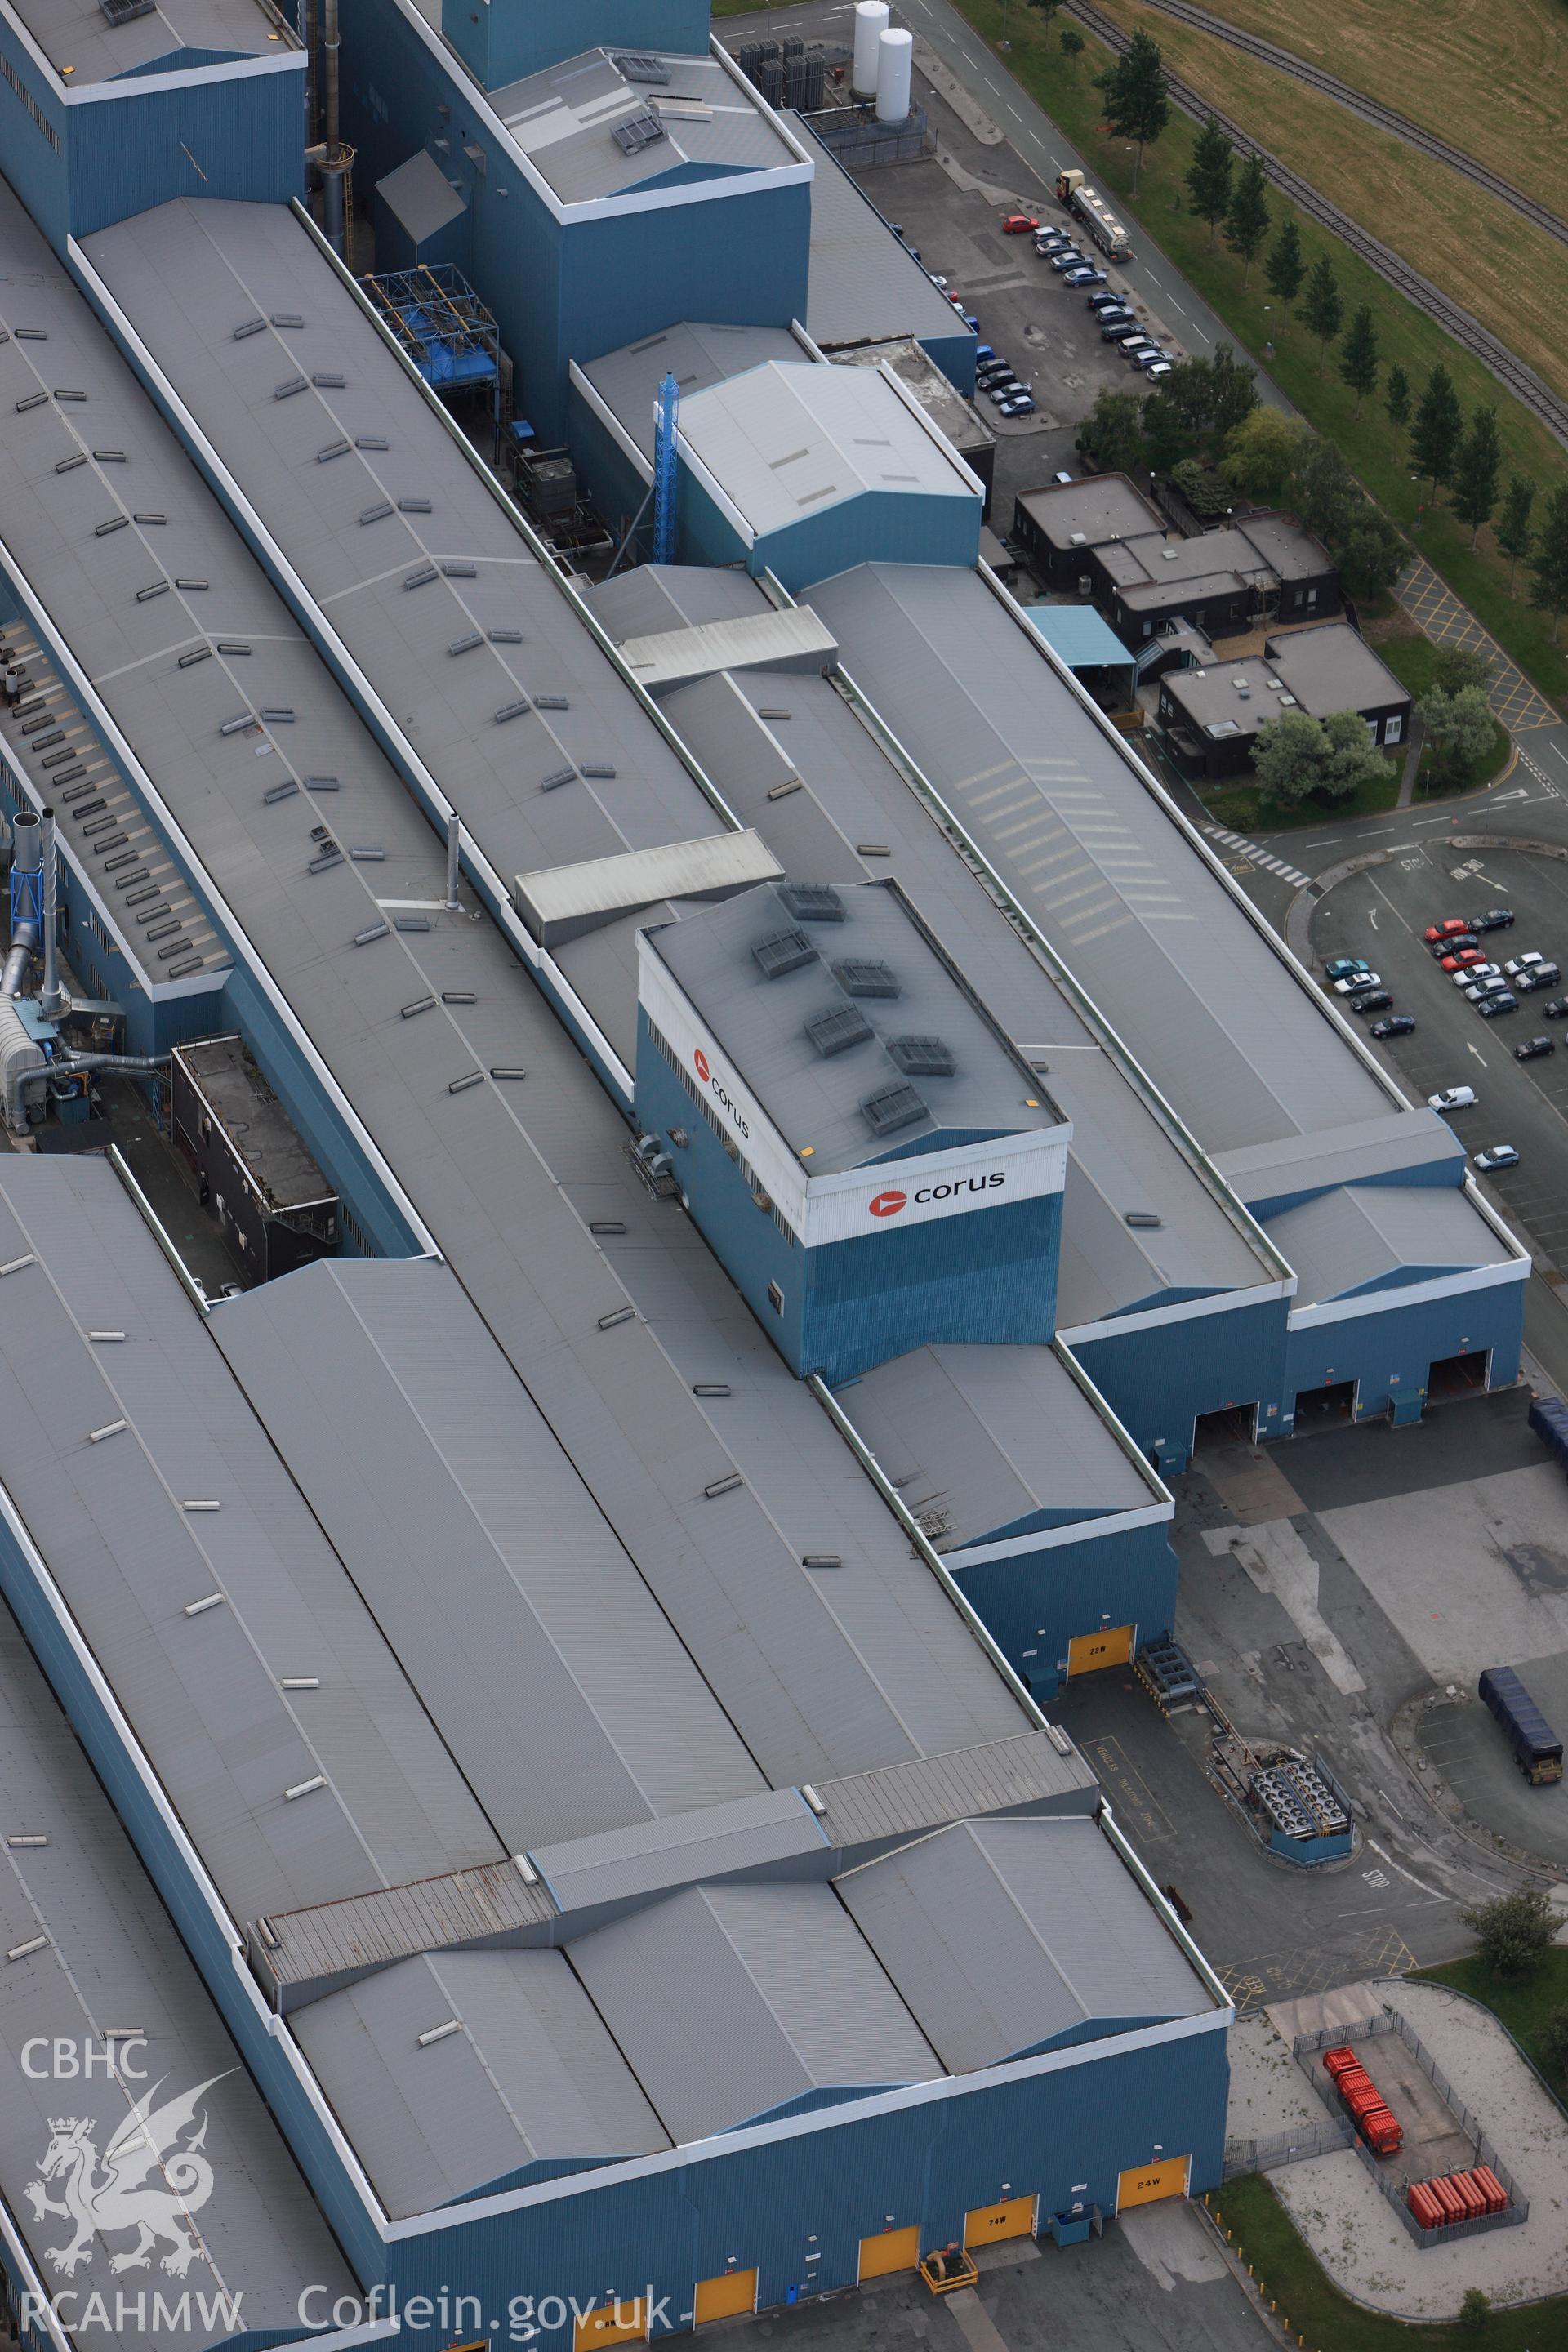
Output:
[[726, 2298], [613, 2323], [1145, 2184], [1087, 1653], [889, 2251], [990, 2224]]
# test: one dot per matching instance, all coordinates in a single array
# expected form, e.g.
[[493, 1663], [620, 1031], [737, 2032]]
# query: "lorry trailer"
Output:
[[1537, 1749], [1074, 190]]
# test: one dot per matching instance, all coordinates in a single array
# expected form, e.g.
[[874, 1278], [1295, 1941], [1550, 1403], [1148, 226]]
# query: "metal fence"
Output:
[[1287, 2148], [1395, 2185]]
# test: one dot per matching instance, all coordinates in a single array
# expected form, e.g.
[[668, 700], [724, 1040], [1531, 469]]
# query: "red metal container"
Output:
[[1485, 2180], [1448, 2197], [1336, 2061], [1423, 2205], [1474, 2195]]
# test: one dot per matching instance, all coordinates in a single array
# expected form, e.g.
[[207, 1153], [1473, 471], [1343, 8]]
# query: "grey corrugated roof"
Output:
[[978, 1439], [204, 1694], [76, 34], [1371, 1150], [1030, 1769], [659, 596], [299, 1954], [530, 2078], [1240, 1046], [563, 120], [480, 1551], [114, 1959], [733, 2001], [787, 442], [816, 1098], [1381, 1236], [748, 1833], [695, 353], [1003, 1935], [794, 639], [864, 286]]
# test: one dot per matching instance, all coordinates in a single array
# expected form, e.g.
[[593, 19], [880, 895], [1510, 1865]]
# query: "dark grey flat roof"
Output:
[[1102, 507], [113, 1959], [1332, 667]]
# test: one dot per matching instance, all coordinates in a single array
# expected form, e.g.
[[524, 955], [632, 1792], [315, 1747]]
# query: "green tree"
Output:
[[1549, 564], [1113, 431], [1396, 400], [1071, 40], [1437, 428], [1476, 470], [1262, 452], [1352, 758], [1208, 176], [1045, 8], [1209, 494], [1167, 435], [1514, 1932], [1286, 268], [1459, 734], [1288, 755], [1137, 96], [1475, 2311], [1515, 530], [1323, 307], [1554, 2042], [1359, 359], [1370, 552], [1323, 490], [1233, 391], [1455, 666], [1189, 389], [1246, 222]]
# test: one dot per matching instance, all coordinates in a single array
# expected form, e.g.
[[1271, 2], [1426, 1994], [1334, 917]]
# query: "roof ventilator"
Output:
[[1142, 1219], [782, 951], [638, 65], [835, 1031], [637, 132], [893, 1107], [922, 1057], [866, 976], [812, 902]]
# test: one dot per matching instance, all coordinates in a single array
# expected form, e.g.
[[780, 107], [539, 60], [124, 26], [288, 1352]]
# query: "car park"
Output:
[[1533, 1048], [1496, 919], [1371, 1000], [1398, 1025], [1491, 1006], [1342, 967], [1540, 975], [1452, 1099], [1354, 980], [1502, 1155], [1019, 225], [1087, 276], [1444, 930], [1467, 974], [1466, 960], [1523, 963]]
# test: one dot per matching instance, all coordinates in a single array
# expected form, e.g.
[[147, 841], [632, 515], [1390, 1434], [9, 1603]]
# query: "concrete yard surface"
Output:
[[1361, 2241]]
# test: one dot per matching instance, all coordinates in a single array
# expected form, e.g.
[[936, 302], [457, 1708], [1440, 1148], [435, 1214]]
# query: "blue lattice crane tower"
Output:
[[664, 472]]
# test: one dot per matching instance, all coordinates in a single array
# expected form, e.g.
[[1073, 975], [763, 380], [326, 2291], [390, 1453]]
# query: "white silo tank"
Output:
[[870, 24], [894, 56]]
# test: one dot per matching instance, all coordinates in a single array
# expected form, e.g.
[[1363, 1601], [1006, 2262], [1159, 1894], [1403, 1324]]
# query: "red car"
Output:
[[1435, 931], [1019, 225], [1460, 962]]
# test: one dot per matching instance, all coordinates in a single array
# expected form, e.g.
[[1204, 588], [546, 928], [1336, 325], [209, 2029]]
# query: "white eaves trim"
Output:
[[1085, 1531], [192, 77], [1410, 1294], [1181, 1310]]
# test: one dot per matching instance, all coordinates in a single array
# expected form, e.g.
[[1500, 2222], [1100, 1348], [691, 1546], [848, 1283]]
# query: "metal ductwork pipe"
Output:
[[26, 901], [454, 862], [53, 1001], [71, 1065]]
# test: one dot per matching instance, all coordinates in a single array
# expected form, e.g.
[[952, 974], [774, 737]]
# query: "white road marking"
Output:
[[1479, 1055], [1410, 1874], [1371, 916]]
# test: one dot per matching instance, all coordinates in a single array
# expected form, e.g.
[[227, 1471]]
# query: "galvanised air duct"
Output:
[[53, 1001], [26, 901]]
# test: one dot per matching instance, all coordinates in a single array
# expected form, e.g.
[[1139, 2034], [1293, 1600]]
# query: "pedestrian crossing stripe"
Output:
[[1249, 849]]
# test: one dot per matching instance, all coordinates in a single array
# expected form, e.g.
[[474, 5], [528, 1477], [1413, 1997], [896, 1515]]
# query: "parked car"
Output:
[[1494, 985], [1019, 225], [1371, 1000], [1467, 974], [1062, 475], [1523, 963], [1557, 1010], [1152, 358], [1342, 967], [1155, 369], [1465, 960], [1005, 387], [1068, 258], [1444, 930], [1502, 1155], [1491, 1006], [1496, 919], [1051, 240], [1115, 326], [1454, 944], [1141, 348], [1398, 1025], [1354, 980], [1106, 300], [1021, 405], [1087, 276], [982, 352], [971, 321], [1534, 1047], [1540, 975], [1452, 1099]]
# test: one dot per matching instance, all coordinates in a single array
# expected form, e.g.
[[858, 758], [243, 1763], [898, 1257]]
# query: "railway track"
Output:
[[1356, 101], [1510, 371]]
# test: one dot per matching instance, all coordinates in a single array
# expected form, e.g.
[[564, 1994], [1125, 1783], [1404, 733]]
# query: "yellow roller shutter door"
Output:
[[613, 2323], [726, 2298], [1145, 2184], [1090, 1652], [988, 2223], [889, 2251]]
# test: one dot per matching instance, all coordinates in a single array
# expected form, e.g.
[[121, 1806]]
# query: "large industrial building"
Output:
[[761, 1139]]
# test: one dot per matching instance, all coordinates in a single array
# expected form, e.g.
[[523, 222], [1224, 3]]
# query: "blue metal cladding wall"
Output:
[[1390, 1354], [1156, 1381], [878, 526], [33, 137], [504, 39], [990, 1275], [1033, 1606], [244, 133], [797, 2209], [199, 1931], [617, 489], [955, 354]]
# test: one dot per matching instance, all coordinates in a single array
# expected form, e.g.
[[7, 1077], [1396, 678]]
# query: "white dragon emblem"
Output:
[[145, 2183]]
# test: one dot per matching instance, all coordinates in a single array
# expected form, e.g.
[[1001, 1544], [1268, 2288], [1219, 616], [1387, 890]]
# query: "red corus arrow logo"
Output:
[[704, 1072], [888, 1204]]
